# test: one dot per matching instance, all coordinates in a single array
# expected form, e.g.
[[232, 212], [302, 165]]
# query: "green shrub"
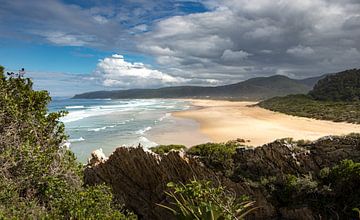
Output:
[[306, 106], [39, 178], [217, 156], [333, 192], [163, 149], [343, 180], [201, 200]]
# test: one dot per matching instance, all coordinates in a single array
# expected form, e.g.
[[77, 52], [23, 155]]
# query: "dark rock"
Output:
[[139, 178]]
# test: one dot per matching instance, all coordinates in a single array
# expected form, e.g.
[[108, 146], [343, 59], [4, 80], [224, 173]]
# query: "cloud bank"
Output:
[[196, 42], [240, 39], [115, 71]]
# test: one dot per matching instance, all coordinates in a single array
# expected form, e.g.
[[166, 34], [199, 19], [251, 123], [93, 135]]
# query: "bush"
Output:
[[217, 156], [38, 177], [333, 192], [343, 180], [201, 200], [306, 106], [163, 149]]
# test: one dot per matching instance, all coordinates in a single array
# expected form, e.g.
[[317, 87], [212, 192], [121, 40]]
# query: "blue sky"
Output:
[[69, 47]]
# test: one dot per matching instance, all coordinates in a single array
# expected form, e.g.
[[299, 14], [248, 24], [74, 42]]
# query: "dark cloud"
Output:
[[261, 37], [199, 42]]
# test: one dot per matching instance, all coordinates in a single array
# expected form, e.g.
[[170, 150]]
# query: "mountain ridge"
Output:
[[258, 88]]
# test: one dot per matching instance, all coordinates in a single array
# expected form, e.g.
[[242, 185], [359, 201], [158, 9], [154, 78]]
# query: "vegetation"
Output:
[[305, 106], [39, 178], [333, 192], [217, 156], [343, 86], [163, 149], [335, 98], [201, 200]]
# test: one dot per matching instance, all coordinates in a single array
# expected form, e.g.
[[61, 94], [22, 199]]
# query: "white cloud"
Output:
[[115, 71], [301, 51], [234, 56], [141, 28], [62, 38], [203, 44], [100, 19]]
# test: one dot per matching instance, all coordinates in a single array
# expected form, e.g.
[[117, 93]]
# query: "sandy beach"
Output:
[[224, 120], [179, 131]]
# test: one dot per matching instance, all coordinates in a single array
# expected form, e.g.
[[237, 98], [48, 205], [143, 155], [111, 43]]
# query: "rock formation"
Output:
[[138, 178]]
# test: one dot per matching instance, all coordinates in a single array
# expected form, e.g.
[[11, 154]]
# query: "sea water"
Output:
[[107, 124]]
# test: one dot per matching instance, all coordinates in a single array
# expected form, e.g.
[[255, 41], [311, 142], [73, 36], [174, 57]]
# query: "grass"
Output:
[[305, 106]]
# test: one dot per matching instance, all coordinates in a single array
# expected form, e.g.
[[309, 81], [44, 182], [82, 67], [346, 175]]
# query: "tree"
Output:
[[39, 178]]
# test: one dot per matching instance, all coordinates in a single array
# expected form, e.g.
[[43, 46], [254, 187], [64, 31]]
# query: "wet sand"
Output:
[[178, 131]]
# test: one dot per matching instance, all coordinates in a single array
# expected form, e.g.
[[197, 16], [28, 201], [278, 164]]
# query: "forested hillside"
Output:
[[335, 98]]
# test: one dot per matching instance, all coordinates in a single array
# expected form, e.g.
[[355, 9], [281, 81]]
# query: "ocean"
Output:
[[107, 124]]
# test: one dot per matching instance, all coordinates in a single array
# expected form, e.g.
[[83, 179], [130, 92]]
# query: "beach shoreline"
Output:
[[181, 131], [222, 121]]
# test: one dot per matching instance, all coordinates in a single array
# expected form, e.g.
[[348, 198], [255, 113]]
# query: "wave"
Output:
[[142, 131], [76, 140], [102, 128], [165, 116], [79, 112], [74, 106]]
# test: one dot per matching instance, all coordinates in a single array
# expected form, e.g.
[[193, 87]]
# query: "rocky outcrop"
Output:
[[97, 157], [138, 178], [288, 157]]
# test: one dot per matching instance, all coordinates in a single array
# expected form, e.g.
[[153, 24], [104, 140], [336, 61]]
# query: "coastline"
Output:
[[221, 121], [178, 130]]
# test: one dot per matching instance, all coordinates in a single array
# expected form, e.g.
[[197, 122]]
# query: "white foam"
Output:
[[76, 140], [74, 107], [102, 128], [142, 131], [165, 116], [81, 114]]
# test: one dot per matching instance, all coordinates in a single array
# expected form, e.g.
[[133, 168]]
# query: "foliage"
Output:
[[306, 106], [331, 192], [343, 86], [200, 200], [38, 177], [335, 98], [289, 190], [217, 156], [163, 149]]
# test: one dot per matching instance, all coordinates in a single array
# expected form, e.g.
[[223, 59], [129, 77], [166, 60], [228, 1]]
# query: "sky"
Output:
[[69, 47]]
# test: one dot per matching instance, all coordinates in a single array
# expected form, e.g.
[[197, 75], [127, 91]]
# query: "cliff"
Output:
[[138, 178]]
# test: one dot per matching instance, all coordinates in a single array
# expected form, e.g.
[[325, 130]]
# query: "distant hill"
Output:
[[253, 89], [336, 97]]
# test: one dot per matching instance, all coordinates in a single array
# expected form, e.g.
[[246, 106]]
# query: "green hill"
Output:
[[335, 98], [343, 86], [253, 89]]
